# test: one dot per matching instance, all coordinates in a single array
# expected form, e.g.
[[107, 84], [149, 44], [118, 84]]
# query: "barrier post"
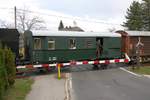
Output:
[[58, 68]]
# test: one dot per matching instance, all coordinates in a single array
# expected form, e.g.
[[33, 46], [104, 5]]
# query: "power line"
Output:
[[71, 18], [68, 17], [5, 8]]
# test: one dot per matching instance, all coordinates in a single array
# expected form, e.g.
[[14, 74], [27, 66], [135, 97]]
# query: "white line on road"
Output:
[[66, 87], [70, 85], [70, 81], [130, 72]]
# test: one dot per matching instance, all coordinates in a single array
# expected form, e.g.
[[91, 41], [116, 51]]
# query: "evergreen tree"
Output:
[[61, 26], [146, 14], [134, 17]]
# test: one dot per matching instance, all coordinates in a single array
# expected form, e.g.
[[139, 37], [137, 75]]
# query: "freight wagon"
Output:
[[61, 46], [131, 38]]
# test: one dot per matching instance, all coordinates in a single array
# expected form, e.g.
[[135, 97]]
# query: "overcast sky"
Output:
[[91, 15]]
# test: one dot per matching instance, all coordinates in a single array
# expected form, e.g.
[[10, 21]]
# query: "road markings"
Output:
[[130, 72], [68, 86], [70, 81]]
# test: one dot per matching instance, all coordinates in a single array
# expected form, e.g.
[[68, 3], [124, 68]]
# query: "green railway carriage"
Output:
[[62, 46]]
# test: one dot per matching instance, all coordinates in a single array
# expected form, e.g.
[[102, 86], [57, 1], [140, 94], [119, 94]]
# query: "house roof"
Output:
[[75, 34], [134, 33], [72, 29]]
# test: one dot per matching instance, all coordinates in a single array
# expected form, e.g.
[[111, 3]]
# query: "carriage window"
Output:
[[72, 44], [51, 44], [88, 43], [37, 43]]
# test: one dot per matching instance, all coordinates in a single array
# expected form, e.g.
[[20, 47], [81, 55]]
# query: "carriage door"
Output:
[[99, 46]]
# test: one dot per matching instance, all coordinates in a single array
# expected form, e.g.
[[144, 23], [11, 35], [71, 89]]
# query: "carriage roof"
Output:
[[138, 33], [75, 34]]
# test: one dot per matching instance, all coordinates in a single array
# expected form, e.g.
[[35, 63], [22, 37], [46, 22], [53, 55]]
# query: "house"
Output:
[[69, 28]]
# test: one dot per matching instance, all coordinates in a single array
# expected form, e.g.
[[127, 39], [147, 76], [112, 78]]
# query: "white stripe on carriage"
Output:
[[36, 66], [79, 63], [66, 64], [51, 65], [112, 61], [91, 62], [127, 57], [19, 67], [101, 62], [121, 60]]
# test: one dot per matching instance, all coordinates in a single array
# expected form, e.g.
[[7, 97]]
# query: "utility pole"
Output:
[[15, 11]]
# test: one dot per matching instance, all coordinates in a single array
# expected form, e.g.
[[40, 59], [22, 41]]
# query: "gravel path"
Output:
[[47, 87]]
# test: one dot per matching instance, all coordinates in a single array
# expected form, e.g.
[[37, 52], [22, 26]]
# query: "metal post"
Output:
[[15, 15], [59, 74]]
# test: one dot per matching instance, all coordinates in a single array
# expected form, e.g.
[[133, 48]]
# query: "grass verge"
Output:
[[20, 89], [142, 70]]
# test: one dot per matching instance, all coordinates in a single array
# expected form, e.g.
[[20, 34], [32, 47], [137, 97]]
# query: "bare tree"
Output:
[[28, 22], [4, 24], [25, 21]]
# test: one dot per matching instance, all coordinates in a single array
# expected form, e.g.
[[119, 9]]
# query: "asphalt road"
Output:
[[111, 84]]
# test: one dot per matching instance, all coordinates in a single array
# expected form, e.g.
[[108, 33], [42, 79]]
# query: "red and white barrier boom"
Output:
[[126, 60]]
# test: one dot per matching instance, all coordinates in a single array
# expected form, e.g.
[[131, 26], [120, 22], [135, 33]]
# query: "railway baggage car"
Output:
[[62, 46]]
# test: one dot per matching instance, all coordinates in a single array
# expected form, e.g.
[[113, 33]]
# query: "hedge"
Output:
[[2, 75], [10, 65], [7, 70]]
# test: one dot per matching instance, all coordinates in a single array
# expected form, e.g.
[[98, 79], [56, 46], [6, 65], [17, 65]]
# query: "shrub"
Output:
[[3, 76], [7, 70], [10, 65]]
